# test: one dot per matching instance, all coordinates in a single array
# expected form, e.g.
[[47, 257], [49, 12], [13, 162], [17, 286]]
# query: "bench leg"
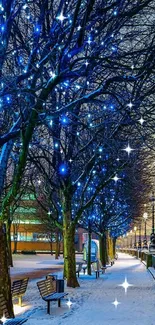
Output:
[[98, 274], [59, 303], [48, 307], [20, 301]]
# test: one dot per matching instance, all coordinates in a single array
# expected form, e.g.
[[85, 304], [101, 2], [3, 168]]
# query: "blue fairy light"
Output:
[[64, 120], [63, 169], [37, 29]]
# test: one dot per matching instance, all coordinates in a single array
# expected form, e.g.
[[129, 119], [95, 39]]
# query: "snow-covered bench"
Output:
[[18, 289], [4, 315], [48, 293]]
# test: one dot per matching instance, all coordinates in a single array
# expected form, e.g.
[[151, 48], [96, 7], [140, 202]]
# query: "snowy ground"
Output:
[[92, 302]]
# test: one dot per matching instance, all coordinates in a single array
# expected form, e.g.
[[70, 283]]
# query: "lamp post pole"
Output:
[[130, 238], [145, 216], [135, 245], [139, 241], [152, 237]]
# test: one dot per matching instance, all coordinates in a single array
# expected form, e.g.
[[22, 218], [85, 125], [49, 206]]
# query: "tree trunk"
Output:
[[89, 253], [69, 235], [103, 249], [57, 246], [51, 247], [5, 281], [65, 253], [110, 246], [70, 260], [8, 235], [114, 247]]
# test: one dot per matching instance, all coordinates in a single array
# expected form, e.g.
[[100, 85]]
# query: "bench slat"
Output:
[[55, 296], [16, 321]]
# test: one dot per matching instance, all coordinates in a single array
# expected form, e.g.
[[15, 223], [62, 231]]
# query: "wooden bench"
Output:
[[4, 313], [48, 293], [18, 289]]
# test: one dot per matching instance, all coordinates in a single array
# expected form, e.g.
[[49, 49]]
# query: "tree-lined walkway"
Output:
[[137, 305]]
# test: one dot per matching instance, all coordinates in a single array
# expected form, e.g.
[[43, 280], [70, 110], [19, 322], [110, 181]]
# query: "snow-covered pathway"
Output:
[[93, 300]]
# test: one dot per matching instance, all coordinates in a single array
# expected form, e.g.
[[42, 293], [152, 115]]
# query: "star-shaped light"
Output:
[[116, 178], [52, 74], [61, 17], [141, 121], [128, 149], [125, 285], [130, 105], [3, 319], [116, 303], [69, 303], [89, 41]]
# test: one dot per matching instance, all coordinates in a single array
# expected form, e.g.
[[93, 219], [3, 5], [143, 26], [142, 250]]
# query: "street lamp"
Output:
[[152, 236], [145, 216], [135, 246]]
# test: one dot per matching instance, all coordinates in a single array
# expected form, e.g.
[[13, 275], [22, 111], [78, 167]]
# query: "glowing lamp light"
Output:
[[145, 215]]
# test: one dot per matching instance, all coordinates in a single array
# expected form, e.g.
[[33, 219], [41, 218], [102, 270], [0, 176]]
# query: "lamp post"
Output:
[[135, 246], [127, 240], [139, 241], [145, 216], [152, 236], [130, 238]]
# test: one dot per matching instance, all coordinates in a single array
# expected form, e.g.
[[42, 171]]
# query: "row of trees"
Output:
[[77, 89]]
